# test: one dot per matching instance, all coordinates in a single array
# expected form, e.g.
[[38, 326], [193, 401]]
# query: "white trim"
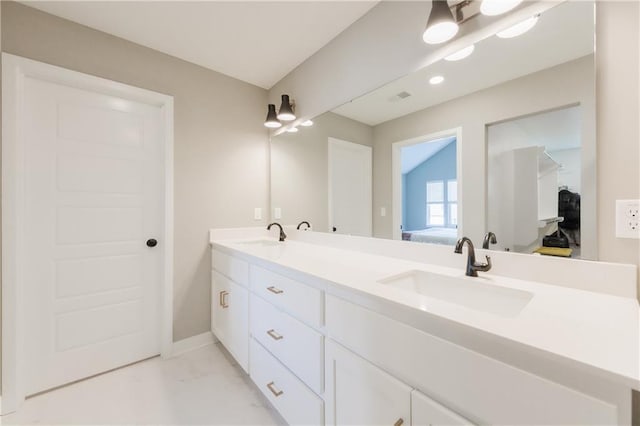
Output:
[[192, 343], [14, 70], [351, 145], [396, 175]]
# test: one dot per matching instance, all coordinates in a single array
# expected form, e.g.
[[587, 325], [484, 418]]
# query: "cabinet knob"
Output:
[[223, 299], [152, 242], [399, 422]]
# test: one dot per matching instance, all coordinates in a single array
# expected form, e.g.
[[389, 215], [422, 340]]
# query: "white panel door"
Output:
[[350, 188], [94, 190]]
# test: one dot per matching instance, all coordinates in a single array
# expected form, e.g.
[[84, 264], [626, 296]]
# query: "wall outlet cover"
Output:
[[277, 213], [628, 219], [257, 213]]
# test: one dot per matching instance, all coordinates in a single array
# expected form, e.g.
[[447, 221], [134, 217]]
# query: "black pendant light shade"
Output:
[[272, 119], [286, 111], [441, 26]]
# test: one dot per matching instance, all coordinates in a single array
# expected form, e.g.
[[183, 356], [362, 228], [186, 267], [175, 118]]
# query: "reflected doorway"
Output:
[[426, 180]]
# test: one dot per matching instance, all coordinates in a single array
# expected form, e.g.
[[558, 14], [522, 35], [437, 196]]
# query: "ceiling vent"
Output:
[[403, 95]]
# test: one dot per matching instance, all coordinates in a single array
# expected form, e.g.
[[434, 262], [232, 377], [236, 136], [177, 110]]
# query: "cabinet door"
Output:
[[219, 314], [358, 393], [237, 323], [427, 412], [230, 317]]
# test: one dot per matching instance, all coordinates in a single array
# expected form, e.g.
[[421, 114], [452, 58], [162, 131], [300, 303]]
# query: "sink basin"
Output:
[[469, 292], [261, 243]]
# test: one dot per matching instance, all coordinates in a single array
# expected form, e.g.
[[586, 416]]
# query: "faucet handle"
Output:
[[483, 267]]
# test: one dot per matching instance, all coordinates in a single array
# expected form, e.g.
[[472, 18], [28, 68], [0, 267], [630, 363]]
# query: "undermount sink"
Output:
[[469, 292], [261, 243]]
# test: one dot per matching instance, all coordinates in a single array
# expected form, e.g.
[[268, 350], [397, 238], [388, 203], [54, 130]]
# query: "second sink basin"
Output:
[[469, 292]]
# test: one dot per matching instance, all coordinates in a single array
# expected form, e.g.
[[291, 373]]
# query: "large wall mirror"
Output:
[[501, 140]]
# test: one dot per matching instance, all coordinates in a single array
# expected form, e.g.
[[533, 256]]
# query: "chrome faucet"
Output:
[[304, 222], [282, 234], [472, 266], [489, 237]]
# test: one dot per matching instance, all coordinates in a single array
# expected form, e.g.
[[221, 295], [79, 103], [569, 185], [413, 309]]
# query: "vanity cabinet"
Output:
[[230, 306], [358, 393], [427, 412]]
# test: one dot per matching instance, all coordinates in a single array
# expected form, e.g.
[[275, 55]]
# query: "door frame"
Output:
[[396, 175], [15, 70], [332, 142]]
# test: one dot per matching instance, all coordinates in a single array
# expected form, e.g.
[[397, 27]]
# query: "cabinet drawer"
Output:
[[481, 389], [296, 345], [303, 302], [293, 400], [236, 269]]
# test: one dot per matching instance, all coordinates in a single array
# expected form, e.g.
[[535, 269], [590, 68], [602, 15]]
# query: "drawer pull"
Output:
[[274, 335], [275, 290], [273, 389], [223, 299], [399, 422]]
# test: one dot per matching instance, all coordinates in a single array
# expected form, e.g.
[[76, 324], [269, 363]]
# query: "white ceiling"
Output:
[[255, 41], [563, 33], [414, 155]]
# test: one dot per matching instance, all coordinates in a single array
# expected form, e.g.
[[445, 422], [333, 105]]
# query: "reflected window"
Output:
[[442, 203]]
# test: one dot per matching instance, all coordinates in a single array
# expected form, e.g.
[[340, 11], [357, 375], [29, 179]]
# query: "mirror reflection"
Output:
[[502, 141]]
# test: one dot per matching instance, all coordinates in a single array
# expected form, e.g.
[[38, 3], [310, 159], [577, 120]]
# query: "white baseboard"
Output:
[[191, 343]]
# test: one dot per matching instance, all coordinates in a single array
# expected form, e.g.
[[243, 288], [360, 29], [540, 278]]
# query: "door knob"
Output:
[[152, 242], [334, 229]]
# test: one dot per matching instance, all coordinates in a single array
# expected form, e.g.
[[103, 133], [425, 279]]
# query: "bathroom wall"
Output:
[[442, 166], [305, 156], [221, 146], [562, 85]]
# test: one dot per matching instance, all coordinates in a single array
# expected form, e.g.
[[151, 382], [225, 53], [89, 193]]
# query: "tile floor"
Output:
[[204, 387]]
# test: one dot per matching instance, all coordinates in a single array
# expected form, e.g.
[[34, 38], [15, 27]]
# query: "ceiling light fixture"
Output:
[[461, 54], [307, 123], [286, 110], [441, 26], [272, 119], [497, 7], [519, 28], [436, 79], [292, 130]]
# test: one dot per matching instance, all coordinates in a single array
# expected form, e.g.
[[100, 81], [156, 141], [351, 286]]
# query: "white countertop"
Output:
[[599, 333]]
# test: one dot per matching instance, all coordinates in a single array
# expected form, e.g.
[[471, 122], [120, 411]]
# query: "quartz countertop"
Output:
[[597, 333]]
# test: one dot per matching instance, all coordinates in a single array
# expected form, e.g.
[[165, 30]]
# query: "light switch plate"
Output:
[[277, 213], [627, 219], [383, 211], [257, 213]]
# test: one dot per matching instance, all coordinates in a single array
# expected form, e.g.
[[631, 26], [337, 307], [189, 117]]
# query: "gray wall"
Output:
[[221, 146], [299, 168], [442, 166]]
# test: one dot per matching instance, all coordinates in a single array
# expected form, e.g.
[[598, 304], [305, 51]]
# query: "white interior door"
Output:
[[94, 194], [350, 188]]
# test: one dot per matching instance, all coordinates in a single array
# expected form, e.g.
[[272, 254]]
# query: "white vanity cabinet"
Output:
[[427, 412], [358, 393], [230, 305]]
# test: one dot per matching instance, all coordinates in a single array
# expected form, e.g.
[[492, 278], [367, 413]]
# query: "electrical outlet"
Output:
[[628, 219], [277, 213], [383, 211], [257, 213]]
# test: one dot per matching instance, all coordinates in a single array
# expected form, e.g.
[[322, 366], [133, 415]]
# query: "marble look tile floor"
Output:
[[204, 387]]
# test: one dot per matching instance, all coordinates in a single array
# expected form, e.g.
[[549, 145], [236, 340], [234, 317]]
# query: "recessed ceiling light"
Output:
[[307, 123], [440, 26], [292, 130], [519, 28], [460, 54], [436, 79], [497, 7]]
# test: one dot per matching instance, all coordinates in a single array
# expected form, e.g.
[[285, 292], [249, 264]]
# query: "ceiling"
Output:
[[568, 27], [414, 155], [259, 42]]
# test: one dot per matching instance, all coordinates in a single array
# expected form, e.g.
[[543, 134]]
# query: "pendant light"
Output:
[[286, 111], [441, 26], [272, 120]]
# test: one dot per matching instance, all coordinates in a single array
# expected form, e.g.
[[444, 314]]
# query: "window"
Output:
[[442, 203]]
